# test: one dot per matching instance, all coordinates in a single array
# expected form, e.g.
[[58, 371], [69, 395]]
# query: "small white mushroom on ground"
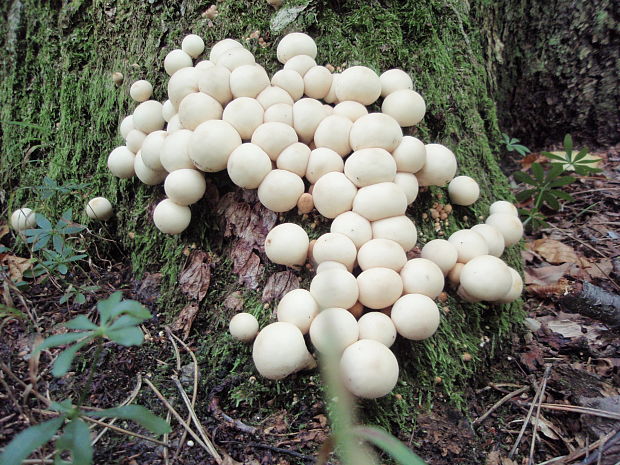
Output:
[[193, 45], [171, 218], [273, 95], [469, 244], [307, 115], [454, 275], [23, 218], [273, 138], [503, 206], [300, 64], [335, 247], [333, 329], [354, 226], [234, 58], [245, 115], [415, 316], [168, 110], [204, 65], [293, 44], [358, 83], [222, 46], [439, 167], [421, 276], [126, 126], [405, 106], [486, 278], [351, 110], [215, 82], [508, 225], [248, 165], [317, 82], [174, 124], [442, 253], [279, 113], [334, 288], [175, 151], [287, 244], [409, 184], [147, 175], [333, 194], [176, 60], [280, 190], [381, 253], [211, 144], [151, 150], [378, 327], [322, 161], [134, 140], [333, 133], [121, 162], [196, 108], [290, 81], [141, 90], [248, 81], [410, 155], [182, 83], [380, 201], [393, 80], [375, 130], [298, 307], [99, 208], [294, 158], [400, 229], [148, 116], [330, 265], [185, 186], [370, 166], [369, 369], [243, 327], [516, 288], [463, 190], [493, 238], [379, 287]]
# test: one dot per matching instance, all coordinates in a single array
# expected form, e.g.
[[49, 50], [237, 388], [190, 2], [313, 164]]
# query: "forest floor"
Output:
[[560, 375]]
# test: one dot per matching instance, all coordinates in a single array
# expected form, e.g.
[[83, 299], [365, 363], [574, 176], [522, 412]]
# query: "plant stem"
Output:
[[91, 374]]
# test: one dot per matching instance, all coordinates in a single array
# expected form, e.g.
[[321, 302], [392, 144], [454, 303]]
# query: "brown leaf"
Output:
[[196, 277], [234, 301], [493, 458], [246, 264], [147, 290], [17, 266], [532, 359], [185, 319], [546, 274], [4, 230], [596, 270], [279, 284], [554, 251]]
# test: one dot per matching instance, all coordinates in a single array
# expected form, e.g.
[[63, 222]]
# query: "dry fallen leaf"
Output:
[[554, 251], [279, 284], [196, 277], [185, 319], [17, 266], [234, 301], [596, 270], [545, 275]]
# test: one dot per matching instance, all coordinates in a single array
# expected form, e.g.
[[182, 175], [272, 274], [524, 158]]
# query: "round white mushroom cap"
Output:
[[121, 162], [317, 82], [486, 278], [287, 244], [354, 226], [409, 184], [421, 276], [415, 316], [134, 140], [330, 265], [350, 109], [22, 219], [439, 168], [243, 327], [333, 194], [493, 238], [126, 126], [248, 81], [176, 60], [335, 247], [358, 83], [463, 190], [379, 287], [204, 65], [245, 115], [454, 275], [248, 165], [322, 161], [469, 244], [273, 138], [369, 369], [378, 327], [174, 153], [99, 208], [333, 133], [375, 130], [334, 288], [393, 80], [171, 218], [279, 113], [370, 166], [508, 225], [234, 58], [211, 144], [182, 83], [380, 201], [293, 44], [141, 90], [215, 81], [280, 190], [410, 155], [405, 106], [151, 150], [397, 228], [333, 329], [273, 95], [300, 64], [222, 46], [298, 307], [193, 45], [196, 108], [381, 253], [294, 158], [148, 116], [290, 81], [516, 288], [144, 173], [307, 115], [442, 253], [185, 186], [503, 206]]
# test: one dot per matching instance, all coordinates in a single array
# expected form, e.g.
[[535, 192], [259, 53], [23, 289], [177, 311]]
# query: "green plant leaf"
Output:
[[76, 439], [137, 413], [562, 181], [581, 155], [80, 298], [553, 156], [401, 453], [29, 440], [525, 178], [524, 195], [65, 358], [125, 321], [561, 195], [59, 340], [568, 145], [132, 308], [538, 172], [106, 306], [43, 222], [65, 407], [131, 336], [556, 170], [81, 322], [550, 200]]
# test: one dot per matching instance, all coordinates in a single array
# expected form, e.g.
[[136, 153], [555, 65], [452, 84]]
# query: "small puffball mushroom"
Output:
[[516, 288], [354, 226], [469, 244], [331, 93], [454, 276], [333, 194], [148, 116], [442, 253], [333, 133], [287, 244], [322, 161], [279, 113], [273, 138], [410, 155], [439, 167], [243, 327], [222, 46], [248, 165], [147, 175], [134, 140], [171, 218], [305, 204], [168, 110], [174, 124], [360, 84], [379, 287], [176, 60], [23, 218], [508, 225], [317, 82], [375, 130], [234, 58], [378, 327], [493, 238], [141, 90], [415, 316], [334, 288], [405, 106], [333, 329], [175, 151], [294, 158], [369, 369], [182, 83], [486, 278], [248, 81], [335, 247], [193, 45], [185, 186], [300, 64], [463, 190], [380, 201], [272, 95], [421, 276], [399, 229], [245, 115], [280, 350], [121, 161], [280, 190], [409, 184], [215, 82], [298, 307], [151, 150], [381, 253], [393, 80], [204, 65], [503, 206], [296, 43], [350, 109], [290, 81], [211, 144], [370, 166], [197, 108], [99, 208], [307, 114], [118, 78], [126, 126], [330, 265]]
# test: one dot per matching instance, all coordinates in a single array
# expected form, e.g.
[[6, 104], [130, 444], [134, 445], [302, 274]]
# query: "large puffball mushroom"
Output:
[[370, 166], [379, 287], [193, 45], [334, 288], [211, 144], [333, 194], [317, 82], [375, 130], [442, 253], [300, 64], [439, 167], [335, 247], [215, 82], [307, 114], [350, 109], [405, 106], [141, 90], [280, 190], [182, 83], [99, 208], [148, 116], [333, 133], [409, 184], [290, 81], [176, 60], [333, 329], [24, 218], [381, 253], [354, 226], [503, 206], [248, 165], [171, 218], [393, 80], [298, 307], [273, 95], [516, 288], [222, 46], [508, 225], [168, 110], [134, 140], [399, 229], [248, 81], [197, 108], [486, 278], [185, 186], [421, 276], [358, 83], [121, 162], [126, 126], [294, 158], [280, 350], [322, 161], [296, 43], [245, 115], [415, 316], [469, 244], [175, 151], [273, 138], [493, 238], [378, 327], [144, 173], [410, 155], [369, 369], [380, 201], [463, 190], [151, 150], [235, 57], [243, 327], [279, 113], [287, 244]]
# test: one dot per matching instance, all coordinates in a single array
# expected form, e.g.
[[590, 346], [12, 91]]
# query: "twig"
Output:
[[577, 409], [14, 377], [214, 407], [124, 431], [604, 443], [580, 241], [543, 386], [166, 459], [498, 404]]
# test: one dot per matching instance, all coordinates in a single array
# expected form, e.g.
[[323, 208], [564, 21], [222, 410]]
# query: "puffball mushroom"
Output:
[[333, 329], [298, 307], [273, 138], [272, 95], [493, 238], [134, 140], [333, 133], [469, 244], [151, 150], [380, 201], [378, 327], [248, 165], [322, 161], [294, 158], [287, 244], [508, 225], [370, 166], [121, 161], [185, 186], [126, 126], [176, 60], [410, 155], [245, 115], [333, 194], [280, 190], [99, 208], [393, 80], [173, 125], [331, 93], [243, 327], [335, 247], [215, 82], [280, 350], [354, 226], [421, 276], [175, 151], [379, 287], [409, 184], [182, 83], [296, 43], [279, 113], [248, 81], [300, 64], [148, 117], [463, 190], [400, 229], [486, 278], [369, 369], [141, 90], [317, 82], [290, 81], [516, 288], [193, 45], [350, 109], [358, 83], [405, 106], [375, 130], [145, 174], [503, 206], [334, 288], [442, 253], [307, 114], [222, 46], [454, 275], [415, 316], [168, 110], [23, 218], [330, 265], [305, 204], [234, 58], [439, 168], [204, 65], [196, 108], [381, 253], [171, 218], [211, 144]]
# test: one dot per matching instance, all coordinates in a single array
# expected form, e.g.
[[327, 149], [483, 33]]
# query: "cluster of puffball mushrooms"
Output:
[[225, 113]]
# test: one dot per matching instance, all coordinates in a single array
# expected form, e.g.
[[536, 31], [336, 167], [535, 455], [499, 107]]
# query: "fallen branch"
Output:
[[498, 404]]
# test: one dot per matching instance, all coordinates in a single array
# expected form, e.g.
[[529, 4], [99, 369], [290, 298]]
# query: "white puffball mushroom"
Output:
[[410, 155], [290, 81], [280, 190], [248, 81], [141, 90], [168, 110], [245, 115], [145, 174], [279, 113], [322, 161], [516, 288], [415, 316], [421, 276], [174, 153], [126, 126], [380, 201], [463, 190], [204, 65], [174, 124], [175, 60], [171, 218], [215, 82], [381, 253], [196, 108], [405, 106], [378, 327], [379, 287], [442, 253], [148, 116], [503, 206], [335, 329], [334, 247], [399, 229], [486, 278], [370, 166], [307, 115], [454, 275], [294, 158], [182, 83], [296, 43], [211, 144], [369, 369], [409, 184], [243, 327], [333, 133], [193, 45], [99, 208], [439, 168], [151, 150], [334, 288], [460, 292], [235, 57], [469, 244], [330, 265], [350, 109], [393, 80], [222, 46], [375, 130], [273, 138], [358, 83], [23, 218], [317, 82], [493, 238], [287, 244], [273, 95], [134, 140], [298, 307], [121, 162], [300, 64], [185, 186], [331, 93], [354, 226], [248, 165], [333, 194], [508, 225]]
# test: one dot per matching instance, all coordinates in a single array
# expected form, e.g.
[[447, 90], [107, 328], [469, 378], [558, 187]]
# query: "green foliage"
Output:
[[512, 145], [380, 438], [41, 236], [573, 162]]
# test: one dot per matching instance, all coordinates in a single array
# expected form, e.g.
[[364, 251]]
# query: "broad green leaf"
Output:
[[43, 222], [75, 258], [67, 216], [81, 322], [64, 298], [40, 242], [76, 439], [59, 243], [553, 156], [74, 228], [63, 269], [525, 178], [106, 306], [551, 201], [563, 181], [59, 340], [125, 321], [556, 170], [65, 358], [524, 195], [29, 440], [131, 307], [582, 154], [126, 336], [562, 195], [568, 144], [401, 453], [537, 171], [64, 406], [80, 298], [137, 413]]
